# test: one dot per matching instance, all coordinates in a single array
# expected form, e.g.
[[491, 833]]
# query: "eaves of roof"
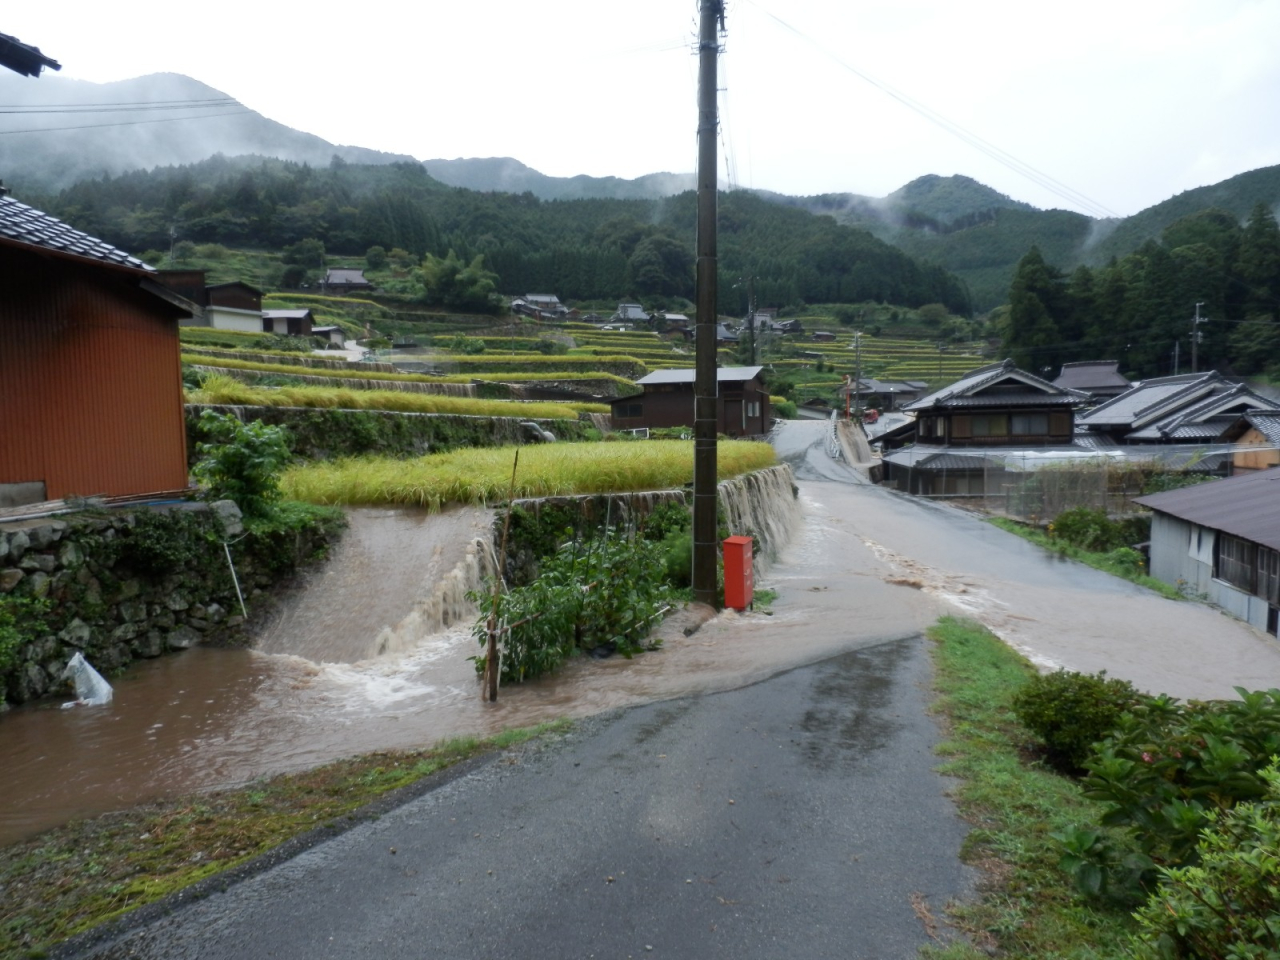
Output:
[[1246, 506]]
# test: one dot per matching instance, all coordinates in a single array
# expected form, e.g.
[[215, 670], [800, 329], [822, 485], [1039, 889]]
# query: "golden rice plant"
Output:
[[483, 475], [221, 389]]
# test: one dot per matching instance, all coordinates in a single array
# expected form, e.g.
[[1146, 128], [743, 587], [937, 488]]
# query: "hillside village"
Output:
[[211, 368]]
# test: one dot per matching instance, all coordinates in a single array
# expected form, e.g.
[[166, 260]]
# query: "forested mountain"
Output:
[[512, 176], [596, 249], [48, 151], [1139, 309]]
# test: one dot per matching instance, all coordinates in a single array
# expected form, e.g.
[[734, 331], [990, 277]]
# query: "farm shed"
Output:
[[90, 376]]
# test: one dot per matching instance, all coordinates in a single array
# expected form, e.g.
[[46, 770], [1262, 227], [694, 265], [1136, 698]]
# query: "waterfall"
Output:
[[762, 505], [447, 604]]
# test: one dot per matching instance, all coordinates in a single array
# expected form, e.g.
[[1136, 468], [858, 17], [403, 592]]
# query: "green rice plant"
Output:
[[545, 470], [221, 389]]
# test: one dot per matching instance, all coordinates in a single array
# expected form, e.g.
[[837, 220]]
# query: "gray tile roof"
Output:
[[968, 390], [338, 275], [686, 375], [1246, 506], [27, 225], [1267, 424], [1200, 413], [285, 314], [1150, 399], [1092, 376]]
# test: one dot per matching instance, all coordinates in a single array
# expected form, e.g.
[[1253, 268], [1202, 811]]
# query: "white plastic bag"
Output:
[[91, 689]]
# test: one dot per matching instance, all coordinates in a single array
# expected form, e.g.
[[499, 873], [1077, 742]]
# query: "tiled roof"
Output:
[[1028, 399], [1246, 506], [687, 375], [968, 389], [345, 276], [27, 225], [1092, 375], [285, 314], [1150, 398], [1267, 424]]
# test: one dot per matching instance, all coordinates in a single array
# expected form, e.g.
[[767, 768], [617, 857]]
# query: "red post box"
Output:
[[738, 585]]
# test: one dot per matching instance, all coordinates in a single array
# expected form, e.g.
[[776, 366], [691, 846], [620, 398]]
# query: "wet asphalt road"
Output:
[[800, 816]]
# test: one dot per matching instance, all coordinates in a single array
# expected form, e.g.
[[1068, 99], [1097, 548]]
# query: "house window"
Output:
[[1236, 562], [1269, 575], [1030, 424], [629, 411], [962, 427], [753, 408], [991, 425]]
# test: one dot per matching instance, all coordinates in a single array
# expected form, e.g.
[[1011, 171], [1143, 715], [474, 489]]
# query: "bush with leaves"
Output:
[[1229, 905], [1070, 712], [607, 593], [1087, 529], [1168, 765], [241, 462]]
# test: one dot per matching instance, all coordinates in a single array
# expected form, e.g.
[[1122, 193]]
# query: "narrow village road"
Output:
[[800, 816], [779, 798]]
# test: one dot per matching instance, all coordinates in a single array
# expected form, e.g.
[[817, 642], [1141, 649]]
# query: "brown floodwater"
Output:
[[373, 652]]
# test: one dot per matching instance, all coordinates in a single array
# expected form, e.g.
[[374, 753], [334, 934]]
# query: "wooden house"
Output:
[[742, 404], [223, 306], [340, 282], [1256, 436], [90, 375]]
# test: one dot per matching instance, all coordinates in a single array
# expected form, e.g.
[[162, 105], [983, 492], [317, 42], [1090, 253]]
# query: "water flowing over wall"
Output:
[[447, 604], [761, 505]]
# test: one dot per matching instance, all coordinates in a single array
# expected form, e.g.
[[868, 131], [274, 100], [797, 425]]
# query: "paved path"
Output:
[[798, 817]]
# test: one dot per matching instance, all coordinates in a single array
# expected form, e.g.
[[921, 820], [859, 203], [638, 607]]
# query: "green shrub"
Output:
[[603, 593], [1168, 765], [1229, 905], [1087, 529], [1126, 561], [1070, 712], [21, 619], [241, 462]]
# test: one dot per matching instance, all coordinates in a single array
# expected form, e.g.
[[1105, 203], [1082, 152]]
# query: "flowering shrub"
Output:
[[1168, 764]]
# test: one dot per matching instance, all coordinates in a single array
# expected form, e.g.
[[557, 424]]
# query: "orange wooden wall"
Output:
[[90, 380]]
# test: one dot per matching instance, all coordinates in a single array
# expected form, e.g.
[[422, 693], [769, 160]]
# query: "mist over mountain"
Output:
[[955, 222], [132, 124], [511, 176]]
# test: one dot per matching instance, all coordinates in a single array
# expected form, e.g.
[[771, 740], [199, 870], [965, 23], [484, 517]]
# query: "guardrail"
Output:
[[833, 441]]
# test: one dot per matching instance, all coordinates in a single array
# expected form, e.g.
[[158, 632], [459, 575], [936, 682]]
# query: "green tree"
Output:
[[304, 253], [1032, 337], [375, 258], [454, 283], [1258, 265]]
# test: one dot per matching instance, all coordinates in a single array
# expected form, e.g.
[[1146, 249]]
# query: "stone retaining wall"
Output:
[[119, 586]]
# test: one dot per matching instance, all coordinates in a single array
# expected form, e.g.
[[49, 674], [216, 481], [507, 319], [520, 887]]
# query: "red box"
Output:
[[738, 585]]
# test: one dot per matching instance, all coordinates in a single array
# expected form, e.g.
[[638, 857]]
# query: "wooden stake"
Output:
[[491, 651]]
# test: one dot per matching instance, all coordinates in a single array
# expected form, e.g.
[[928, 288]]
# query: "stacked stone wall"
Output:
[[119, 586]]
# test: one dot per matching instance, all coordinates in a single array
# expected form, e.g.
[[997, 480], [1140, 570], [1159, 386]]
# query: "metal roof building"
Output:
[[90, 376]]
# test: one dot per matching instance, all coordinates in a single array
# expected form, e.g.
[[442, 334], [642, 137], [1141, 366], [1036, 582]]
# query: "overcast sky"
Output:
[[1123, 102]]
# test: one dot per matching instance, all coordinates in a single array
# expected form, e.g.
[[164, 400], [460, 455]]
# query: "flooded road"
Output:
[[362, 667]]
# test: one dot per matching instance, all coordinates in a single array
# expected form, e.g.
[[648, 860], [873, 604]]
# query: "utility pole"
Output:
[[751, 316], [706, 384], [1195, 337], [857, 367], [1177, 344]]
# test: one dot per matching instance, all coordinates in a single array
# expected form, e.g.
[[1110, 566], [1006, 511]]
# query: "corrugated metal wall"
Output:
[[90, 381]]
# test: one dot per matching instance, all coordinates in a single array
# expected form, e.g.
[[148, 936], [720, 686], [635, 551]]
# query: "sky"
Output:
[[1101, 106]]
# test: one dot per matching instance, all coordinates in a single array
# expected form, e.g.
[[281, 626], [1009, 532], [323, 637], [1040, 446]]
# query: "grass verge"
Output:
[[483, 475], [1027, 907], [1105, 562], [73, 878]]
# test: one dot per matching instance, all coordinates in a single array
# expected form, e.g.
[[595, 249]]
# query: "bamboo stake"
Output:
[[491, 651]]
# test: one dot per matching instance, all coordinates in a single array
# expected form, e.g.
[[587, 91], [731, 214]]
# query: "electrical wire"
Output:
[[985, 147], [127, 123], [117, 107]]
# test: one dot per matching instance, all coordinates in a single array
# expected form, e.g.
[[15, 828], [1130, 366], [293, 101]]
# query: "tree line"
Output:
[[1139, 309], [595, 249]]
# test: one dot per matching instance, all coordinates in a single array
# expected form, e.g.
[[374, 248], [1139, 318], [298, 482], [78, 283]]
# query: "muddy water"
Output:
[[864, 566]]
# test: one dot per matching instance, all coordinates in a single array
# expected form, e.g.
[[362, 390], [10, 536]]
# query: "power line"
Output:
[[1001, 156], [55, 108], [127, 123]]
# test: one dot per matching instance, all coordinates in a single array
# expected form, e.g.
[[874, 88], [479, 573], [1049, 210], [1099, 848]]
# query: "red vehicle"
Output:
[[870, 416]]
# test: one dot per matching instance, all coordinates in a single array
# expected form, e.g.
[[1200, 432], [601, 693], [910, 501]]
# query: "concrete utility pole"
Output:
[[1195, 337], [706, 385]]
